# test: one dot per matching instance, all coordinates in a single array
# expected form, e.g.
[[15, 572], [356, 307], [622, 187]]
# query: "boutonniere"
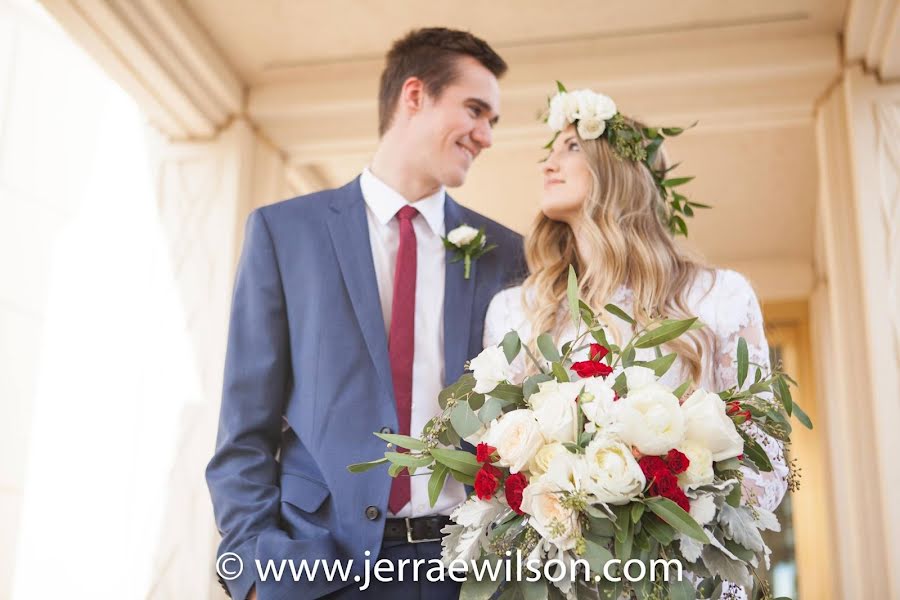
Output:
[[468, 244]]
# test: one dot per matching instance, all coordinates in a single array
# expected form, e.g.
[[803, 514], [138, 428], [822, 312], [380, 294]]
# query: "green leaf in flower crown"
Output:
[[547, 347], [572, 295], [743, 362], [612, 308], [676, 223], [436, 482], [365, 466], [511, 345], [677, 181], [559, 86], [402, 441], [458, 460], [668, 330], [660, 365], [464, 420], [675, 516]]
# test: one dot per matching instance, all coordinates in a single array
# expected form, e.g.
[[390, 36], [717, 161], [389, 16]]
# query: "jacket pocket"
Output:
[[304, 493]]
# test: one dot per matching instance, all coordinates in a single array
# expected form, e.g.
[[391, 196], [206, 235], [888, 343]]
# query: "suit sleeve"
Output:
[[243, 473]]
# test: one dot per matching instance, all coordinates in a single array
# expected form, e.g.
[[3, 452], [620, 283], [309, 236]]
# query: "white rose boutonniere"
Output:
[[468, 244]]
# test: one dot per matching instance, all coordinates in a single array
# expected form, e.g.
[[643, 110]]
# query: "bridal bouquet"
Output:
[[592, 475]]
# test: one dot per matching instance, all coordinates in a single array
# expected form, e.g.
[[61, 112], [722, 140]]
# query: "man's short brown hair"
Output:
[[429, 54]]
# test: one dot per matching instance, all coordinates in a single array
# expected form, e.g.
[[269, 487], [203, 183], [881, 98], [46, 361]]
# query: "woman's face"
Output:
[[567, 178]]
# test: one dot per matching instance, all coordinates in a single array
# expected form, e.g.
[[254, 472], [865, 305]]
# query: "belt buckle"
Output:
[[409, 537]]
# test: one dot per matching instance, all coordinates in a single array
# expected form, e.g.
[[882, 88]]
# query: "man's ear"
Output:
[[412, 95]]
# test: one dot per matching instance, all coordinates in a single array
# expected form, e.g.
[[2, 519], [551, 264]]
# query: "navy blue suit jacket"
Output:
[[307, 381]]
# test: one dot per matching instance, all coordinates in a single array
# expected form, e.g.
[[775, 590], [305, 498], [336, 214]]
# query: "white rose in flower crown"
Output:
[[540, 462], [517, 438], [700, 469], [651, 419], [591, 129], [489, 368], [462, 235], [563, 110], [707, 423], [556, 410], [542, 500], [614, 475]]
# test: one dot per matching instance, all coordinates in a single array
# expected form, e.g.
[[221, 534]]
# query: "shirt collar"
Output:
[[384, 201]]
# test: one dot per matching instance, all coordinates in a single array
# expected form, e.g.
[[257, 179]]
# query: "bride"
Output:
[[603, 213]]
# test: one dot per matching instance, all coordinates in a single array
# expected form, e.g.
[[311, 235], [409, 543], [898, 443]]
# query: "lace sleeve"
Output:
[[738, 316]]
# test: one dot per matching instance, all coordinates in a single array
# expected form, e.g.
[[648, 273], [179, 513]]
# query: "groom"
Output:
[[348, 318]]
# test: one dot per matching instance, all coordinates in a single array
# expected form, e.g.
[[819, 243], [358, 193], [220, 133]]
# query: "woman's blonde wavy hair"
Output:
[[630, 246]]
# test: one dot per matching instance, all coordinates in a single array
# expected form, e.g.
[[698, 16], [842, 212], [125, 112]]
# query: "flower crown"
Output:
[[595, 115]]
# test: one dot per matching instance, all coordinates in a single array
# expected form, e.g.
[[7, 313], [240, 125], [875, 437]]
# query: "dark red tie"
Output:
[[401, 340]]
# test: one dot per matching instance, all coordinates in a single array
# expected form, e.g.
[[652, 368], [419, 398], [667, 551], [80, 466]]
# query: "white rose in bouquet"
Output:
[[700, 471], [462, 235], [651, 419], [707, 423], [517, 438], [638, 377], [598, 404], [568, 471], [614, 475], [556, 409], [539, 464], [555, 522], [489, 368]]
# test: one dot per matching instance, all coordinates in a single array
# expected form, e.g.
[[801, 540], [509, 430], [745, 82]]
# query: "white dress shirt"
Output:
[[382, 204]]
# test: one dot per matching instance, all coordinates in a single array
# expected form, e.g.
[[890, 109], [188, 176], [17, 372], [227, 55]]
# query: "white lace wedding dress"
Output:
[[727, 305]]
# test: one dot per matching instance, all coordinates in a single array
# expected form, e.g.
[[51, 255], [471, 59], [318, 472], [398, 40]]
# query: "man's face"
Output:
[[454, 128]]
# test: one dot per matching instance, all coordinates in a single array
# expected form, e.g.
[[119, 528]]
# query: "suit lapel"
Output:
[[459, 294], [349, 231]]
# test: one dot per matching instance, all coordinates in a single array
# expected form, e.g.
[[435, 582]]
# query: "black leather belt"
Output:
[[416, 530]]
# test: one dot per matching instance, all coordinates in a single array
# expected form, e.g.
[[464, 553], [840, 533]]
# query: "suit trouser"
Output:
[[394, 551]]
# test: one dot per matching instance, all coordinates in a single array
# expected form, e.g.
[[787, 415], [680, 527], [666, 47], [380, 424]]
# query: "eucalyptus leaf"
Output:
[[492, 409], [464, 420], [511, 345], [548, 347]]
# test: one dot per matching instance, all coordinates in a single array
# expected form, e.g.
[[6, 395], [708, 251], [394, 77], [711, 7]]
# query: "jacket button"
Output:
[[386, 430], [372, 512]]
